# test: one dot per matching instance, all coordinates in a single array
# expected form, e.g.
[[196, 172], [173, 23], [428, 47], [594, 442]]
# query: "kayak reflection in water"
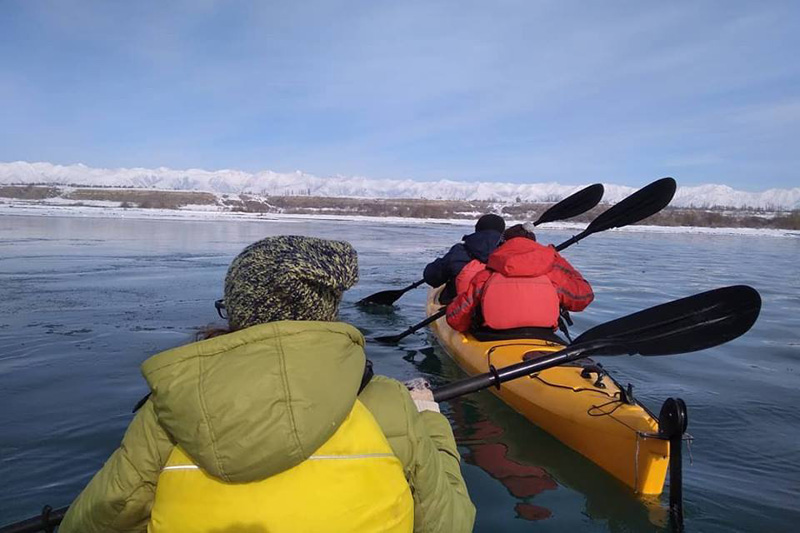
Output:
[[276, 423], [523, 481], [475, 248]]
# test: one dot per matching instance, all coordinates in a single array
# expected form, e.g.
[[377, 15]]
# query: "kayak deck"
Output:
[[593, 420]]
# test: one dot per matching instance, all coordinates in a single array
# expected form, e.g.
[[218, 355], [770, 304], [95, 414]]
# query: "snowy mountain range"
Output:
[[300, 183]]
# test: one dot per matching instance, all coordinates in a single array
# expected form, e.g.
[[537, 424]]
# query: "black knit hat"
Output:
[[490, 221], [288, 278]]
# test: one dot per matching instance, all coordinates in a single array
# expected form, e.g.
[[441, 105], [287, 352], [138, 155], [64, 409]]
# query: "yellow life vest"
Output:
[[352, 483]]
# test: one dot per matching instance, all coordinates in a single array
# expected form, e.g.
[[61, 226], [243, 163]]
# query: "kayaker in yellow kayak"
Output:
[[522, 287], [475, 247], [278, 424]]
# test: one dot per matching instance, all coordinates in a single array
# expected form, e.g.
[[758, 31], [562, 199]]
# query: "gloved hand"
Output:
[[421, 393]]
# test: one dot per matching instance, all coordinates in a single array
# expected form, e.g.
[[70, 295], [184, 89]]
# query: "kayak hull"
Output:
[[590, 418]]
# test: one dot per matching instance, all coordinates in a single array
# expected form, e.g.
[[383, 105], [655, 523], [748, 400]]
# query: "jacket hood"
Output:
[[253, 403], [482, 243], [522, 257]]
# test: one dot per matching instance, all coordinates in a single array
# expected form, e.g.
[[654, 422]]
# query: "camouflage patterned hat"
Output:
[[289, 277]]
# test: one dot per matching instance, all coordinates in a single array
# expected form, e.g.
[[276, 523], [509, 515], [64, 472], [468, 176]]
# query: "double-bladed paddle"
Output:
[[681, 326], [638, 206], [571, 206]]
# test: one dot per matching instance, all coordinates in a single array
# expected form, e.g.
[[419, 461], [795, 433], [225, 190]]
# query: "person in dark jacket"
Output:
[[444, 270]]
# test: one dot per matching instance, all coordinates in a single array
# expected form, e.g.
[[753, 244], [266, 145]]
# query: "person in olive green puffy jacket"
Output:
[[261, 402]]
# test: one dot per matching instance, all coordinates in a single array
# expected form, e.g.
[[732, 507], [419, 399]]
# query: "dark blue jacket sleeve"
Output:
[[438, 272]]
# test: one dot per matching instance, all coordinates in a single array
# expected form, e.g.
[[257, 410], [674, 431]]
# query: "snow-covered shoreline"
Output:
[[228, 181], [19, 208]]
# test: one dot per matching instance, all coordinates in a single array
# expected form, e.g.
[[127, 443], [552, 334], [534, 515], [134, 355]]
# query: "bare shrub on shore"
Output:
[[28, 192], [713, 218], [144, 198]]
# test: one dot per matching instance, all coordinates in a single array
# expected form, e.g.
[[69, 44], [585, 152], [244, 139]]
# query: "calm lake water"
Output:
[[84, 301]]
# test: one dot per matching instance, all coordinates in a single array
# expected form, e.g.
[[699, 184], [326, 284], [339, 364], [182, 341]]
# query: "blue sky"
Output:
[[624, 92]]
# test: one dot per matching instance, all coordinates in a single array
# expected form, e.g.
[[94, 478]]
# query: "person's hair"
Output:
[[210, 331], [518, 230]]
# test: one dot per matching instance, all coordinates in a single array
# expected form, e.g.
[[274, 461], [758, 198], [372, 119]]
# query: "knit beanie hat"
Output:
[[520, 230], [490, 221], [289, 277]]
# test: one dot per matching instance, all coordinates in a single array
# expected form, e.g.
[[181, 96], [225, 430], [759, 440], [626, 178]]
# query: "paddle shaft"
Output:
[[572, 240], [413, 286], [48, 520], [434, 317], [500, 375]]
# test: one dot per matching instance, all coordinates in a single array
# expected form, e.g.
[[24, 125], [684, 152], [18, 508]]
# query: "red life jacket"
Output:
[[510, 302], [469, 271], [519, 293]]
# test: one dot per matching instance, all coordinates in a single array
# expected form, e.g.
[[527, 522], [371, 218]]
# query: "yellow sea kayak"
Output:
[[591, 418]]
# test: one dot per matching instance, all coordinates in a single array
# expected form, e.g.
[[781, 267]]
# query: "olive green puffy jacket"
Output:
[[256, 402]]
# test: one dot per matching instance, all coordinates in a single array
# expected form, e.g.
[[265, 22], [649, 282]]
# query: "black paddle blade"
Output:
[[388, 297], [573, 205], [687, 325], [382, 298], [645, 202]]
